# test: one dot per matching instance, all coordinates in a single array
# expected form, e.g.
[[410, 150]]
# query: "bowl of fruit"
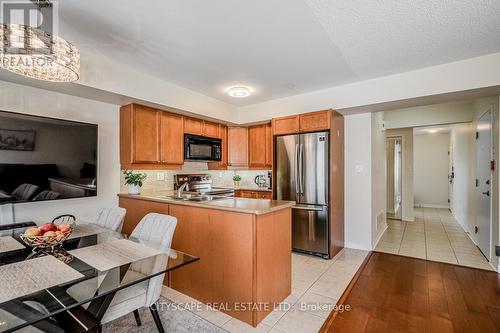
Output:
[[46, 236]]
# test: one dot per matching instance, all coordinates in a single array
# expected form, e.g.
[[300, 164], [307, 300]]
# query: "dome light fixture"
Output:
[[239, 91]]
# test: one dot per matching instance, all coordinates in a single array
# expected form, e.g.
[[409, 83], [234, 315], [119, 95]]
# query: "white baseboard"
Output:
[[431, 206], [357, 246], [379, 237]]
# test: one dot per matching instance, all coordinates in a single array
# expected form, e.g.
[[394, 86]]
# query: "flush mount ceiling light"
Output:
[[434, 130], [239, 91], [34, 53]]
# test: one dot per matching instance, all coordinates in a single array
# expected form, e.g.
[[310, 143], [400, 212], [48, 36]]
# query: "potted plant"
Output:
[[134, 180], [236, 180]]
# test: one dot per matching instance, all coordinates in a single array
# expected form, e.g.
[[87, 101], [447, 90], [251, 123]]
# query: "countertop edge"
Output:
[[253, 189], [284, 205]]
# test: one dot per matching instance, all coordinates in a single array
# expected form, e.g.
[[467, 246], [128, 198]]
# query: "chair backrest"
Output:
[[111, 218], [46, 195], [157, 229], [25, 191]]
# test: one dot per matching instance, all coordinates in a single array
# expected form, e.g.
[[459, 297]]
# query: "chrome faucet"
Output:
[[181, 189]]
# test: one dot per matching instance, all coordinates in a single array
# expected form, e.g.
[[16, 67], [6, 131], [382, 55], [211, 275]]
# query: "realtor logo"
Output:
[[37, 14]]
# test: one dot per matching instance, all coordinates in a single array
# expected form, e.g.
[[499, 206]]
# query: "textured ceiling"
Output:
[[280, 47]]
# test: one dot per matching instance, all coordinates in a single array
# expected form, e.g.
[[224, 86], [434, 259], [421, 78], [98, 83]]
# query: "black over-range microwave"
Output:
[[202, 148]]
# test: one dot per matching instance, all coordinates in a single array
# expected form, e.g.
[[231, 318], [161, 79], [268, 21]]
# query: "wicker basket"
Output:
[[45, 242]]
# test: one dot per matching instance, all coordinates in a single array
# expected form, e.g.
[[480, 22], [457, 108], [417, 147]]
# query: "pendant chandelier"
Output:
[[34, 53]]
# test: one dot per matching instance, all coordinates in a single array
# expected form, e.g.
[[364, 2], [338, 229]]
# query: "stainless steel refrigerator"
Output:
[[302, 163]]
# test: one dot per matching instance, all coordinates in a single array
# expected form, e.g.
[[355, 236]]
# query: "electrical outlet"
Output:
[[160, 176]]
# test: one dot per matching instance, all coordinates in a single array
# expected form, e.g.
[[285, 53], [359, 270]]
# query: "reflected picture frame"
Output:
[[21, 140]]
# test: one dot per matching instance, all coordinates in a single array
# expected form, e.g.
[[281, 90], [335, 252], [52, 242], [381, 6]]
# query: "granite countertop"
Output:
[[243, 205]]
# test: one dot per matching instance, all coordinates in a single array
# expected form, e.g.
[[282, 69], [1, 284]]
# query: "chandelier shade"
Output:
[[37, 54]]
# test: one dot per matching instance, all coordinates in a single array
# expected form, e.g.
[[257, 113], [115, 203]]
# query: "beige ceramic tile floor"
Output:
[[435, 235], [317, 284]]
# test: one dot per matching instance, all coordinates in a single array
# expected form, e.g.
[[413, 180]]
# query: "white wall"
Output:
[[24, 99], [437, 114], [379, 171], [407, 209], [430, 176], [358, 192], [461, 140]]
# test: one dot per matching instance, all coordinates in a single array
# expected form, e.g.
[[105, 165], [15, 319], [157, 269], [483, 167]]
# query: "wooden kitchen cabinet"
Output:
[[193, 126], [269, 146], [172, 138], [139, 135], [286, 125], [315, 121], [201, 127], [237, 153], [150, 138], [211, 129], [253, 194], [306, 122], [260, 142]]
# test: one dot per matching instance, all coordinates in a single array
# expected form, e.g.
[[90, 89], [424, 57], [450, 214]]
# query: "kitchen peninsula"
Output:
[[244, 247]]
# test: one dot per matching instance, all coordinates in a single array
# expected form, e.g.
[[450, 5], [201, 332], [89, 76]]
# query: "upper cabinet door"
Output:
[[172, 138], [211, 129], [193, 126], [286, 125], [269, 146], [315, 121], [257, 146], [145, 134], [237, 138]]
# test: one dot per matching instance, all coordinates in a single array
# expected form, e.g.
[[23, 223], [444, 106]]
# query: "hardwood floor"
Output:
[[392, 293]]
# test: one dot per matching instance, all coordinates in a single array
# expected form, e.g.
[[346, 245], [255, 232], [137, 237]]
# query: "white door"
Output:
[[483, 183]]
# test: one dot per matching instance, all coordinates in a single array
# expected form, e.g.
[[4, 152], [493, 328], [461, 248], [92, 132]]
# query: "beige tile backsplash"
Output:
[[221, 178]]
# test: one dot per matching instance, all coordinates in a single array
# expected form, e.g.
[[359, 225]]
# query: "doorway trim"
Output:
[[402, 168]]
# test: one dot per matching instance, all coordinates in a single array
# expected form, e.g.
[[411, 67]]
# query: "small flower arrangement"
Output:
[[133, 180], [236, 180]]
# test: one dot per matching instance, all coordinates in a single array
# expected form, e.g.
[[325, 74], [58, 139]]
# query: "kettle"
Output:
[[260, 181]]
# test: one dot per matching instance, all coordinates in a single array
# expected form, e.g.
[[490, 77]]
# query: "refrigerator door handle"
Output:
[[313, 209], [301, 158], [297, 190]]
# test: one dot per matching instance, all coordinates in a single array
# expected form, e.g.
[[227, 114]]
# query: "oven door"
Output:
[[198, 148]]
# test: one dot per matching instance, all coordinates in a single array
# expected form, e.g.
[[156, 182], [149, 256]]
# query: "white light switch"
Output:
[[160, 176], [359, 168]]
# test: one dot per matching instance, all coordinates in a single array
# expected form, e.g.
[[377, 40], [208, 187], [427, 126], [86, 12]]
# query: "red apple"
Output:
[[59, 235], [64, 228], [49, 234], [48, 227], [32, 232]]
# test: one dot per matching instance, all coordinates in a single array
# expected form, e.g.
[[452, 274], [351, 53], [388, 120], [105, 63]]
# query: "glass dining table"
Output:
[[69, 288]]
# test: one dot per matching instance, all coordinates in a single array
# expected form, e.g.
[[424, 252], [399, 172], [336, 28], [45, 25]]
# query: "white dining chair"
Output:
[[111, 218], [157, 229]]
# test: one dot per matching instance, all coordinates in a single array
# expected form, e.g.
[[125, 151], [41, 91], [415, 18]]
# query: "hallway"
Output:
[[435, 235]]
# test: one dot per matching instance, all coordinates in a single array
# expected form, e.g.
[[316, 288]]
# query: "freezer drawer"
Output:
[[310, 229]]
